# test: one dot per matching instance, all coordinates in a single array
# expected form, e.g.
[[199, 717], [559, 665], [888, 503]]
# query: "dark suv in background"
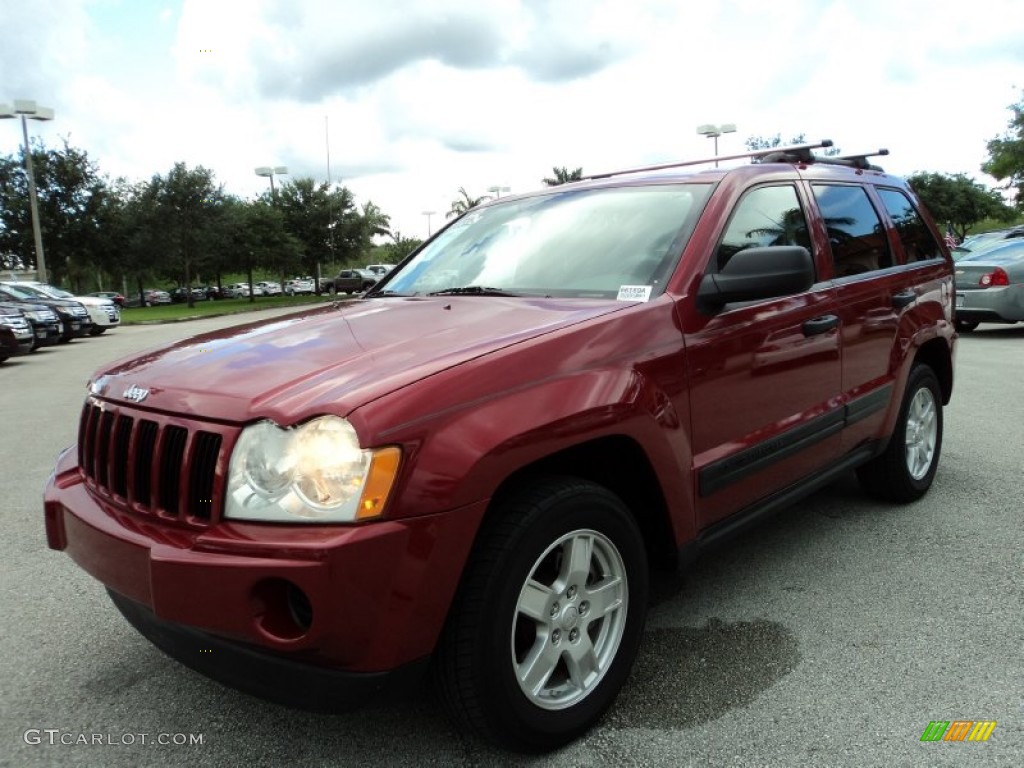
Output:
[[44, 321], [15, 332], [74, 317]]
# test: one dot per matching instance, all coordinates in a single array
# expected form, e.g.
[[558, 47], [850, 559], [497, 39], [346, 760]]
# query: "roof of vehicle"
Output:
[[762, 161]]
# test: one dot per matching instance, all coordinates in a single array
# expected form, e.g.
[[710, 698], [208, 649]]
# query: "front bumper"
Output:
[[47, 332], [268, 675], [74, 327], [362, 598], [104, 317]]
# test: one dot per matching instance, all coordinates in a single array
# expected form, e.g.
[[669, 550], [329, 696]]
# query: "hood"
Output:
[[333, 359]]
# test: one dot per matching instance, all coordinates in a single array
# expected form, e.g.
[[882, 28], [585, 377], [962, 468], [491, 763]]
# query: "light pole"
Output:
[[29, 109], [714, 131], [496, 191], [266, 170], [428, 214]]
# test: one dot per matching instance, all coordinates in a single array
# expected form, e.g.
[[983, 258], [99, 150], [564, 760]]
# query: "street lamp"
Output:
[[428, 214], [266, 170], [714, 131], [496, 191], [29, 109]]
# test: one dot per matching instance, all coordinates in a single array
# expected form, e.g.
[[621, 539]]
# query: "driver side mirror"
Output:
[[758, 273]]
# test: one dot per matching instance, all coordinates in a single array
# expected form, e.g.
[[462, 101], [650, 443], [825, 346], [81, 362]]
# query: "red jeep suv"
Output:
[[476, 467]]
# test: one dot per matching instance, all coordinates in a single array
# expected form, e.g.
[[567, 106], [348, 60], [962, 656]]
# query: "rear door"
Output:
[[764, 376], [875, 291]]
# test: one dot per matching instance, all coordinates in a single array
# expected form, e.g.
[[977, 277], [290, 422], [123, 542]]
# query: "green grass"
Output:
[[172, 312]]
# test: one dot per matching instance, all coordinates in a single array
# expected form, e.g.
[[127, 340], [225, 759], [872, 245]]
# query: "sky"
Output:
[[406, 102]]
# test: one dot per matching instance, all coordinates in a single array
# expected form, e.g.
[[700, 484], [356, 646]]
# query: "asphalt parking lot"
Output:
[[831, 635]]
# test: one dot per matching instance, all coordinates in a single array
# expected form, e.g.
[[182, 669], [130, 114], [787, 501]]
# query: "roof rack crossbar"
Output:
[[859, 161], [800, 152]]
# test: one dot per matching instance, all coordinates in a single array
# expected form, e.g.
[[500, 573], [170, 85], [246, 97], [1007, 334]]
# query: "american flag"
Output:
[[951, 240]]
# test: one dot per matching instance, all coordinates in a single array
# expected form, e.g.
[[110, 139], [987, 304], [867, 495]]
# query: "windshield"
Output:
[[19, 292], [574, 243]]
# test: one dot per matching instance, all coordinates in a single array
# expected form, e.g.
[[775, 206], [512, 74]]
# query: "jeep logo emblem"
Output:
[[135, 394]]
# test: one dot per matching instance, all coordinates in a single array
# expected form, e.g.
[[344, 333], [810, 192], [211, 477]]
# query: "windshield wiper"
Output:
[[472, 290]]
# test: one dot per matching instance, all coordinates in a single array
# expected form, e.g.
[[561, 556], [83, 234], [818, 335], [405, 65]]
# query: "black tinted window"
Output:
[[855, 233], [765, 216], [918, 243]]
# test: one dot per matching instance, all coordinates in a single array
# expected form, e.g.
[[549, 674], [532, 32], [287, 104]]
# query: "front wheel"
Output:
[[548, 618], [904, 472], [97, 330]]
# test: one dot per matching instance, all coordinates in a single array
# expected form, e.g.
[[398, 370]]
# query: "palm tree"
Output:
[[563, 176], [463, 204]]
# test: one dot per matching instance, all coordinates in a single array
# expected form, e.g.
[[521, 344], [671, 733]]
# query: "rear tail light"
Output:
[[997, 276]]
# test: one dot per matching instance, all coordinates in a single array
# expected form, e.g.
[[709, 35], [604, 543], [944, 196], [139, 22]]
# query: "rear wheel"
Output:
[[905, 471], [548, 618], [966, 326]]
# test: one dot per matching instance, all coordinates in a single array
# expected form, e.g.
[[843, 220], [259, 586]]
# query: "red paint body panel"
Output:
[[475, 389]]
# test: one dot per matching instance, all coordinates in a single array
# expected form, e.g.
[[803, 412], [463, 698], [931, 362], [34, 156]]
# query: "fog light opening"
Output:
[[284, 612]]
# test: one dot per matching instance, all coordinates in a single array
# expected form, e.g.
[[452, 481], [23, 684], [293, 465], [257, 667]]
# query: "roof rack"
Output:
[[799, 153]]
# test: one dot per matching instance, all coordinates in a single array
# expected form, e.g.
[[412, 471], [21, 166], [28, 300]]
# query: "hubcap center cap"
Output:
[[570, 618]]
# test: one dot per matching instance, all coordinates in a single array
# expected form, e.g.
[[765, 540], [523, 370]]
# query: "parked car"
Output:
[[237, 290], [353, 281], [114, 296], [269, 288], [990, 285], [103, 313], [44, 321], [214, 292], [15, 333], [300, 285], [74, 317], [379, 269], [479, 479], [180, 294], [150, 297]]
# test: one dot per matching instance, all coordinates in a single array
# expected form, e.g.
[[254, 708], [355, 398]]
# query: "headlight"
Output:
[[313, 473], [36, 315]]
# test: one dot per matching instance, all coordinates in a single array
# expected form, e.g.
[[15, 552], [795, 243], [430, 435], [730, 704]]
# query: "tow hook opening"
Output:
[[284, 611]]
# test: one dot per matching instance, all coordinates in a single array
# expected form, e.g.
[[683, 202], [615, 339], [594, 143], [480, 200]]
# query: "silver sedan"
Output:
[[990, 286]]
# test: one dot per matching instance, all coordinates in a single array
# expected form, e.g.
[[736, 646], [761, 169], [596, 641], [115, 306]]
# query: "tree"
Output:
[[396, 250], [958, 201], [71, 193], [463, 203], [325, 222], [187, 205], [562, 176], [1006, 154]]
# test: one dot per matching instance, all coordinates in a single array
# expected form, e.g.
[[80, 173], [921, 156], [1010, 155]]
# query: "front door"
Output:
[[764, 376]]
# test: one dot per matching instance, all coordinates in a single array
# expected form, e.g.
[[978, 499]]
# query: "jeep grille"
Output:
[[152, 466]]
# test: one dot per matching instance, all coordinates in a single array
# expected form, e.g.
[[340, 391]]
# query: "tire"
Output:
[[966, 326], [97, 331], [572, 654], [904, 472]]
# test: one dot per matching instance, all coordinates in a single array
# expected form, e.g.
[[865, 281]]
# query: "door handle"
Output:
[[903, 298], [823, 324]]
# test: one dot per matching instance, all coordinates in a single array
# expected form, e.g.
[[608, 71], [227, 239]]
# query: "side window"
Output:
[[855, 233], [918, 243], [764, 216]]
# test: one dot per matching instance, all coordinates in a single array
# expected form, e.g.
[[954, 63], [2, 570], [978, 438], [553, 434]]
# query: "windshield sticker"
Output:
[[634, 293]]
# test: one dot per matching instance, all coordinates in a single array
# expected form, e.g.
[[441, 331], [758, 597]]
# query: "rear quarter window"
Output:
[[918, 242]]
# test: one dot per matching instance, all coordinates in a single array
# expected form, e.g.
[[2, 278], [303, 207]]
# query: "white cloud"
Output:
[[428, 96]]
